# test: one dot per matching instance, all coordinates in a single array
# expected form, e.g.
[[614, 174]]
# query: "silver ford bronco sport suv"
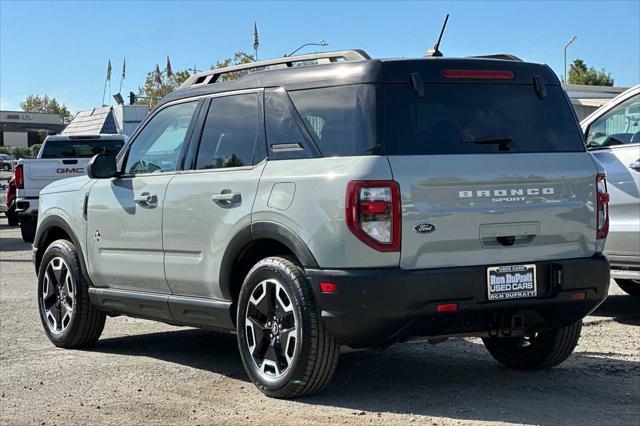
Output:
[[334, 199]]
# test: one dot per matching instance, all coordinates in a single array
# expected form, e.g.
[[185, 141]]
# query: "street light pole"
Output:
[[566, 46], [320, 43]]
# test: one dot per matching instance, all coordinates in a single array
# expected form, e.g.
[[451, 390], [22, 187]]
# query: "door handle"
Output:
[[226, 198], [635, 165], [146, 199]]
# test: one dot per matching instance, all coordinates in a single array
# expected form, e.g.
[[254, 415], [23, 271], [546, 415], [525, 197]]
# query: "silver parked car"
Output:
[[7, 162], [613, 137]]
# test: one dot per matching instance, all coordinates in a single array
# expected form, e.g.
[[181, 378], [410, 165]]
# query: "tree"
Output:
[[238, 59], [45, 104], [152, 92], [580, 74]]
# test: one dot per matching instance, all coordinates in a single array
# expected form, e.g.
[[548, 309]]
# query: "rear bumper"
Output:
[[374, 307], [27, 206]]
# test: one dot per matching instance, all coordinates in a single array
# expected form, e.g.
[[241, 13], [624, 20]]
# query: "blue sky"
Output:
[[61, 48]]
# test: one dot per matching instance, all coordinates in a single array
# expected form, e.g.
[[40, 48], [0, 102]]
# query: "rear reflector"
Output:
[[578, 295], [328, 288], [449, 307], [478, 74]]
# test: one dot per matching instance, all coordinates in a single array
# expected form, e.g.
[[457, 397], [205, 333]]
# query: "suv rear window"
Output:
[[80, 148], [472, 118]]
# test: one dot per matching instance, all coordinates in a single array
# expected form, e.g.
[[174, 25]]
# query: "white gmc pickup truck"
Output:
[[60, 157]]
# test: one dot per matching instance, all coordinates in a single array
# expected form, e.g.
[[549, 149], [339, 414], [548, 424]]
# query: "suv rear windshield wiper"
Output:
[[503, 143]]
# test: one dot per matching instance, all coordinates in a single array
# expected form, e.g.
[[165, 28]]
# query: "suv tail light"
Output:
[[19, 173], [373, 213], [602, 207]]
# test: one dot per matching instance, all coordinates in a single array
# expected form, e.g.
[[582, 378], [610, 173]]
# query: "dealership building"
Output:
[[587, 99], [19, 128]]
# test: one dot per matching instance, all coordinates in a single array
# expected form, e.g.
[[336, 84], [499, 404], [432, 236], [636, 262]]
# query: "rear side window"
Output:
[[231, 131], [285, 131], [340, 119], [80, 148], [469, 118]]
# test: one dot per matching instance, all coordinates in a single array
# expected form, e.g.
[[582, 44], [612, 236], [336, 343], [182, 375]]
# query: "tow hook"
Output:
[[505, 325], [517, 322]]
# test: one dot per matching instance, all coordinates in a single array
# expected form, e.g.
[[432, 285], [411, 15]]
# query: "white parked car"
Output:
[[60, 157], [613, 137]]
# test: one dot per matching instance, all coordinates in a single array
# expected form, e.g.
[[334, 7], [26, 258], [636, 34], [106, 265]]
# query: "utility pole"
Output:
[[566, 46], [321, 43]]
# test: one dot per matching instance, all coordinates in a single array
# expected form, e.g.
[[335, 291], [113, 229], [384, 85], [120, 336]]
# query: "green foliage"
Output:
[[238, 59], [19, 152], [580, 74], [153, 92], [35, 148], [45, 104]]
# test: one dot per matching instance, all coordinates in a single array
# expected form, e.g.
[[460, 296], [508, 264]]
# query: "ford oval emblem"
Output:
[[424, 228]]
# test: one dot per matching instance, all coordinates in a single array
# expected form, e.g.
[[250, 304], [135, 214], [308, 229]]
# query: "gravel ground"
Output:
[[141, 372]]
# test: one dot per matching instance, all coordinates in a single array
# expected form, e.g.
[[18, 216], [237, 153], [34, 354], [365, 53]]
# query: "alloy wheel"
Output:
[[57, 296], [271, 326]]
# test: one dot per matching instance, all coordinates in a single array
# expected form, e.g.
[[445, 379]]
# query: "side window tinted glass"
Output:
[[230, 132], [157, 147], [340, 119], [285, 137], [619, 126]]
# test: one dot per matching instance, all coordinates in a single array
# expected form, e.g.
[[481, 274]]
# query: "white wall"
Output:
[[16, 139], [129, 117]]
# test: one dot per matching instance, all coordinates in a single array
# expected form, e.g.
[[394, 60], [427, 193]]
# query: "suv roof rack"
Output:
[[503, 56], [211, 76]]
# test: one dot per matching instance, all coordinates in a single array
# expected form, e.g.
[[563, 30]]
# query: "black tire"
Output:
[[6, 167], [28, 229], [315, 354], [545, 349], [631, 287], [12, 216], [86, 322]]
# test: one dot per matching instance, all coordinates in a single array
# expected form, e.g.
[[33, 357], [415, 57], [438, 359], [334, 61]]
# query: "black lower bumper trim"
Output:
[[374, 307]]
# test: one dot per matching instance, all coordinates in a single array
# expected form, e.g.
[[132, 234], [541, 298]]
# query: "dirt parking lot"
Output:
[[141, 372]]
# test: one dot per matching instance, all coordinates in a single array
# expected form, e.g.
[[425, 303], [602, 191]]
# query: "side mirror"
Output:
[[102, 166]]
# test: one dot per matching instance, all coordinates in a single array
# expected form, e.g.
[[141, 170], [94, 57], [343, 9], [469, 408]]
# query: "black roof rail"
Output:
[[502, 56], [211, 76]]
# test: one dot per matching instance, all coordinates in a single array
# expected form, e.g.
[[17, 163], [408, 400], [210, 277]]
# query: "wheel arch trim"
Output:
[[44, 227], [258, 231]]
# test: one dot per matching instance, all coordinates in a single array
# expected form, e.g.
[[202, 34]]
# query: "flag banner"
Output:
[[124, 68], [169, 70], [109, 71], [256, 41], [157, 78]]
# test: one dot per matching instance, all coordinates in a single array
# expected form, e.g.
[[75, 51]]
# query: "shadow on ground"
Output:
[[456, 379], [12, 244], [622, 308]]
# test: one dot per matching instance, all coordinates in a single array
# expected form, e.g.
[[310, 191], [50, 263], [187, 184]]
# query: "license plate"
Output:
[[511, 282]]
